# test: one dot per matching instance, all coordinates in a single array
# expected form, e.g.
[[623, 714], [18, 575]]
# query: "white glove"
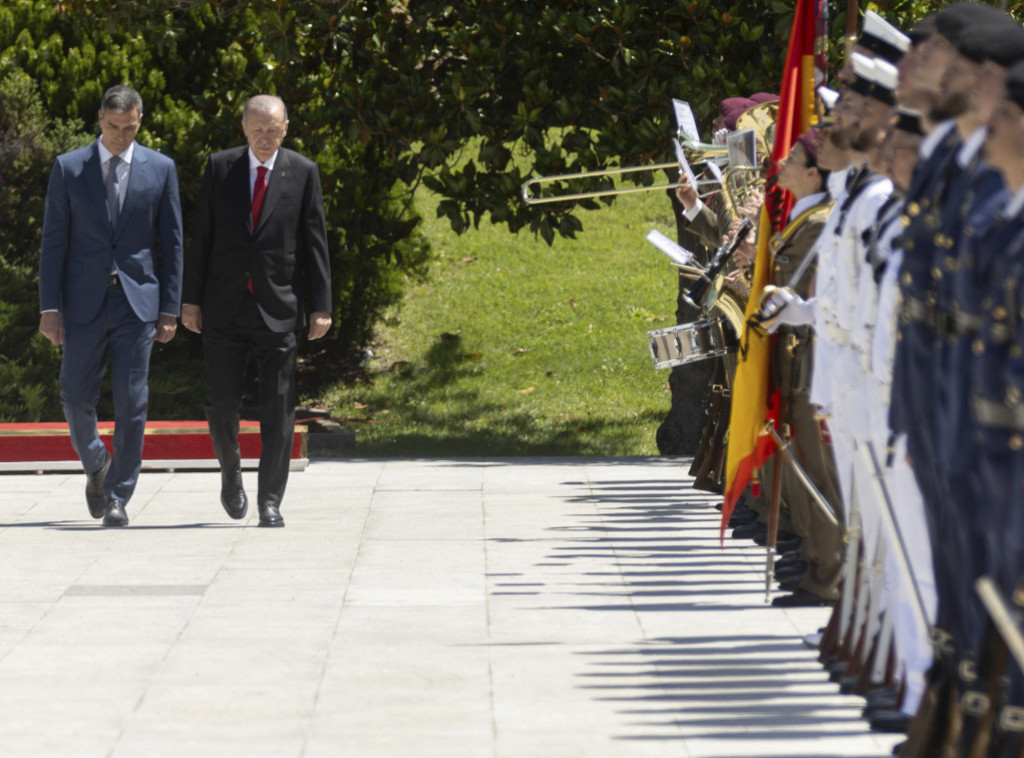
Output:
[[718, 138], [780, 306]]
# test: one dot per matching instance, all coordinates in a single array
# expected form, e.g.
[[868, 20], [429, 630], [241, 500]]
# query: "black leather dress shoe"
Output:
[[94, 490], [791, 582], [232, 497], [881, 697], [783, 570], [741, 518], [115, 515], [801, 599], [789, 558], [749, 530], [788, 545], [270, 516], [894, 722], [780, 538]]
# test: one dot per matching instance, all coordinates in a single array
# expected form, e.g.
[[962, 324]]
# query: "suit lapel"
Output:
[[139, 177], [236, 187], [275, 186], [93, 172]]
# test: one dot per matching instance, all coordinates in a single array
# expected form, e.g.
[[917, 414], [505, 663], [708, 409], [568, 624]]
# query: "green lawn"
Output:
[[513, 347]]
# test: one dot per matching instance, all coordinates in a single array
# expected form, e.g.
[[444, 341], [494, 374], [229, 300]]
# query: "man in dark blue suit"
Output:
[[257, 260], [109, 285]]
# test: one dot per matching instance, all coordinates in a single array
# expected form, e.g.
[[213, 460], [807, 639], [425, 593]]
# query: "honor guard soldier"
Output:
[[813, 580]]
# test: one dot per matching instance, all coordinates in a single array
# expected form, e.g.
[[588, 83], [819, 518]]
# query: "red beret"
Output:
[[807, 140], [732, 107]]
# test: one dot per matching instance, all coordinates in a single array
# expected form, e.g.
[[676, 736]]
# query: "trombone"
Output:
[[760, 118], [530, 190]]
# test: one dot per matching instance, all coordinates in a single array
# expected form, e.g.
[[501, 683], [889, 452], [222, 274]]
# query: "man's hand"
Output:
[[687, 195], [192, 317], [319, 323], [51, 327], [751, 207], [166, 326], [746, 250]]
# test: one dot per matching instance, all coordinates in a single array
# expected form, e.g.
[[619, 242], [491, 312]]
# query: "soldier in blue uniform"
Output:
[[993, 512]]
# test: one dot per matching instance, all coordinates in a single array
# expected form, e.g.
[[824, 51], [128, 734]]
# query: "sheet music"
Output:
[[742, 148], [679, 254], [684, 165], [685, 121], [715, 171]]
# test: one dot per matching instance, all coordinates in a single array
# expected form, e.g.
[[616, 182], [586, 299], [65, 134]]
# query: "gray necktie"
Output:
[[113, 200]]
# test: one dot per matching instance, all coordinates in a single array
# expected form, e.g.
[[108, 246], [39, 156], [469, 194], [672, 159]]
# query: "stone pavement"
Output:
[[482, 608]]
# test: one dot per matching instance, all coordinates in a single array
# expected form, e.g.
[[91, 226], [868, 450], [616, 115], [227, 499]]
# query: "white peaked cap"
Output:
[[882, 38]]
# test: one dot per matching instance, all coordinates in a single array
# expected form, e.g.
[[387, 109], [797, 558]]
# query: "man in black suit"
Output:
[[258, 255]]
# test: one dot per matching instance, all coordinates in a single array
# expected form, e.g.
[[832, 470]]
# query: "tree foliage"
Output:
[[466, 99]]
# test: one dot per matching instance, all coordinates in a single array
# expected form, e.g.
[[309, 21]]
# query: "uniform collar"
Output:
[[804, 203], [970, 147], [935, 137], [1013, 208]]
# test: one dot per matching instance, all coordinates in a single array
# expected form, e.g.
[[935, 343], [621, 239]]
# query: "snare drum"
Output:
[[688, 343]]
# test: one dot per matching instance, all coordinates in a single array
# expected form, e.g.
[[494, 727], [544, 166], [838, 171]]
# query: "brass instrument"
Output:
[[738, 181], [530, 199]]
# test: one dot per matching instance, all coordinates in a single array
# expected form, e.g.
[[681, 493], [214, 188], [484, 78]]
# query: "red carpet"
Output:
[[169, 444]]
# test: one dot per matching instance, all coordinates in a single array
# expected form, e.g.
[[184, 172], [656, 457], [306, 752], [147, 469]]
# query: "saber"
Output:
[[826, 507], [1002, 617], [889, 514]]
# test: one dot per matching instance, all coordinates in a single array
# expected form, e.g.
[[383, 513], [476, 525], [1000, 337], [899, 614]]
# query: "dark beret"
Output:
[[1001, 43], [954, 19], [1015, 84], [922, 30]]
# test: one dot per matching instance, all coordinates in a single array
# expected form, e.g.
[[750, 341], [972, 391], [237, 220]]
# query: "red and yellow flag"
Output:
[[750, 445]]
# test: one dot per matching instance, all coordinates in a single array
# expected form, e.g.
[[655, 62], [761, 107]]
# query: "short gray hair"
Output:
[[263, 104], [121, 99]]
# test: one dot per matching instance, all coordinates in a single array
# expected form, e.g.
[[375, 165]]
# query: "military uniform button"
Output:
[[1016, 352], [936, 273], [978, 346], [999, 332], [949, 262], [913, 209], [937, 240], [999, 312], [908, 245], [1016, 442], [905, 220], [1012, 395], [907, 279]]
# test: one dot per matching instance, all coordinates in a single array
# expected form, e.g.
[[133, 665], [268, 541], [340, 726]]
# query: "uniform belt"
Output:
[[967, 324], [915, 309], [998, 415], [114, 281], [955, 324]]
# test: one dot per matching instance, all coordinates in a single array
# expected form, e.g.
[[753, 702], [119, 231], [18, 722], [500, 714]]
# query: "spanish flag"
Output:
[[750, 443]]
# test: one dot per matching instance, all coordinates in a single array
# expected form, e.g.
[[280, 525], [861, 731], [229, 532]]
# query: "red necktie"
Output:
[[259, 191]]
